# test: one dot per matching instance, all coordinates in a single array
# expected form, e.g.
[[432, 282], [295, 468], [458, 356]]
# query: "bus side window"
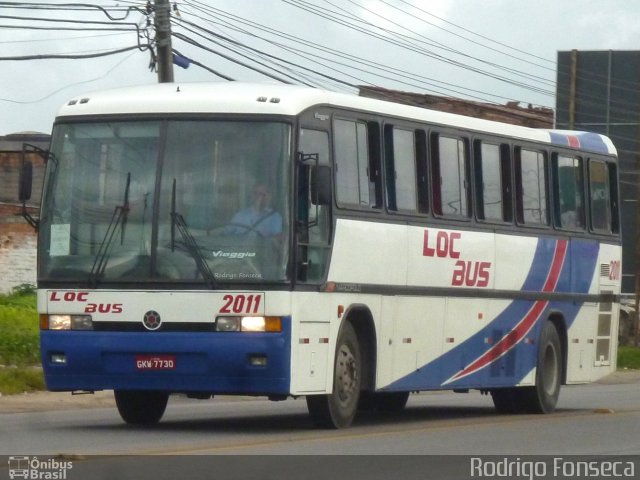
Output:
[[569, 192], [375, 164], [531, 187], [352, 163], [422, 171], [599, 197], [450, 176], [613, 196], [400, 160], [493, 182]]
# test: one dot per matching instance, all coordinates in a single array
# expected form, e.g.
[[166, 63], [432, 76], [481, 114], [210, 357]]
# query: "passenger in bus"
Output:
[[259, 218]]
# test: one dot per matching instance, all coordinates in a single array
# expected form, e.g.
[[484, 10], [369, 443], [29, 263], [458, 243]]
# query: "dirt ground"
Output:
[[47, 401]]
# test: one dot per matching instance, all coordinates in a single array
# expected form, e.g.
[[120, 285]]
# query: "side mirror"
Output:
[[26, 180], [320, 185]]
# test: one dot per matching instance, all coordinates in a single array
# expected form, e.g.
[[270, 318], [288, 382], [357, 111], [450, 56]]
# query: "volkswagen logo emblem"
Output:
[[151, 320]]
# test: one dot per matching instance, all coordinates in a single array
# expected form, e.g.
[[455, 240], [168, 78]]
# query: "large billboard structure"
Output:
[[599, 91]]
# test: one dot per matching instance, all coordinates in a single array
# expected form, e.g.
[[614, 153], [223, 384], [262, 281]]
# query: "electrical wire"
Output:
[[412, 47], [195, 62], [49, 95], [360, 60], [70, 56]]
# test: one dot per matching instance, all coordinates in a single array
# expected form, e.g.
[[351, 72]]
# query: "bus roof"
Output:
[[278, 99]]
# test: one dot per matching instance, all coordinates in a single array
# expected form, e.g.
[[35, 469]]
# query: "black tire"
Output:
[[338, 409], [543, 397], [387, 402], [504, 399], [141, 408], [367, 401]]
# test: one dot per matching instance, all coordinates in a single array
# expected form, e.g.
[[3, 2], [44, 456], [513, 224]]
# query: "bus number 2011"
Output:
[[241, 303]]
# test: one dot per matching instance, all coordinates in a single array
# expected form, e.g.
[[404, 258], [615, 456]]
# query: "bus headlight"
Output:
[[228, 324], [248, 324], [66, 322]]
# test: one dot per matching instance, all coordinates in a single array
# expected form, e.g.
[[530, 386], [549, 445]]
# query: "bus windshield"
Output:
[[167, 201]]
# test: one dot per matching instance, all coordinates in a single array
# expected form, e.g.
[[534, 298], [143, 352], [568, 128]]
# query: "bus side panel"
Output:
[[369, 253], [592, 338], [504, 351], [411, 337]]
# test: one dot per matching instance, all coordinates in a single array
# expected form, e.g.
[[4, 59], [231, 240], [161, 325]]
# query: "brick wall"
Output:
[[17, 255], [17, 238]]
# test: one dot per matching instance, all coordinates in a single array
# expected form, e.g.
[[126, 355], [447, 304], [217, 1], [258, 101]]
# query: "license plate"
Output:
[[155, 362]]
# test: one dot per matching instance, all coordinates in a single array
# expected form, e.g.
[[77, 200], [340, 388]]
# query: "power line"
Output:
[[186, 39], [72, 7], [423, 39], [195, 62], [411, 47], [476, 34], [429, 82], [83, 37], [70, 56], [120, 62]]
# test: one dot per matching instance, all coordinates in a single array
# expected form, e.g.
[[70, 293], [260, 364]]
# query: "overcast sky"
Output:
[[486, 50]]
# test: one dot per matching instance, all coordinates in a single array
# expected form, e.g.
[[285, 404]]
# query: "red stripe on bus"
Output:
[[512, 338]]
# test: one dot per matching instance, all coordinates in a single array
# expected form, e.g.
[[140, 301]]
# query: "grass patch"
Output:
[[629, 357], [20, 379], [19, 329]]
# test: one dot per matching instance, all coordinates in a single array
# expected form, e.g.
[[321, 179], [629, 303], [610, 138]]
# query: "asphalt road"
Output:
[[601, 418], [438, 436]]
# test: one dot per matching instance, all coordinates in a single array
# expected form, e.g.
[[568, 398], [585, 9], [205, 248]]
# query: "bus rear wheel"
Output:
[[338, 409], [141, 408], [543, 397]]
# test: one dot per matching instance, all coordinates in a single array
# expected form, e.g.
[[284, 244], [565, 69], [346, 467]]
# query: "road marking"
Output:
[[395, 429]]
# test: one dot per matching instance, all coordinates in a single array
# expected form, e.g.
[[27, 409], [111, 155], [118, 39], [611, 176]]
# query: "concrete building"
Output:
[[512, 112]]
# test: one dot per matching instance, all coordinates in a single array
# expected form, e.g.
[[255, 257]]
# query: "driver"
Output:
[[259, 217]]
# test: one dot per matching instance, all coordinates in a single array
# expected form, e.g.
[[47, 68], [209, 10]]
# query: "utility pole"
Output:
[[162, 22]]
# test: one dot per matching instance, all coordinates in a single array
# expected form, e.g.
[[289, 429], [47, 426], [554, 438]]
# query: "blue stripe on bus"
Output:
[[511, 368], [205, 361], [585, 140]]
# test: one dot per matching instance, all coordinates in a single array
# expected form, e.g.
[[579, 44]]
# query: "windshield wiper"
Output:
[[177, 220], [118, 219]]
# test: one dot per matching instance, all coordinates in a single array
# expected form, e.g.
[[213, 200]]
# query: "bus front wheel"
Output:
[[141, 408], [338, 409]]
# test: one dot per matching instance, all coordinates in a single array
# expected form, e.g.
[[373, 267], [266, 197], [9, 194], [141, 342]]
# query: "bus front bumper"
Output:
[[181, 362]]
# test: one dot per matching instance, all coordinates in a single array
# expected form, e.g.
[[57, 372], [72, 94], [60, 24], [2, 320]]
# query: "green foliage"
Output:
[[24, 289], [19, 329], [629, 357], [19, 380]]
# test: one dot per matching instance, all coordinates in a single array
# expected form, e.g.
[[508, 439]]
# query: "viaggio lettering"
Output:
[[239, 255]]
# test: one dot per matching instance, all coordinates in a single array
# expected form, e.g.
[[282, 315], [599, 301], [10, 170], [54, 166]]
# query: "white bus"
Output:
[[282, 241]]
